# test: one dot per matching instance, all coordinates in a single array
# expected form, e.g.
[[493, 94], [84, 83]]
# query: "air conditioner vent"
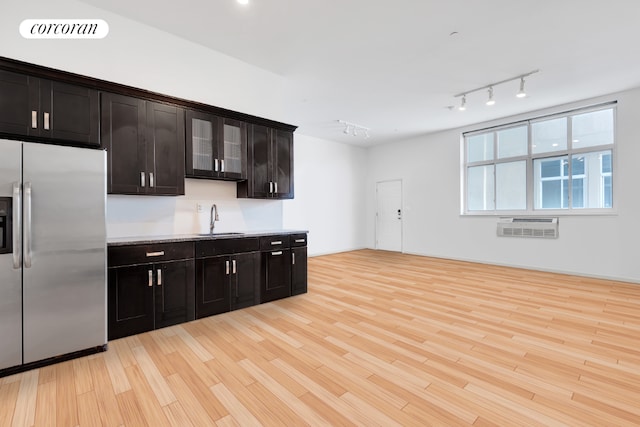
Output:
[[544, 228]]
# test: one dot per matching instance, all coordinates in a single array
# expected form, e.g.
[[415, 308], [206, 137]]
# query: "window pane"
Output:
[[550, 184], [593, 128], [480, 147], [512, 142], [591, 173], [606, 163], [550, 168], [550, 135], [480, 188], [606, 202], [511, 185]]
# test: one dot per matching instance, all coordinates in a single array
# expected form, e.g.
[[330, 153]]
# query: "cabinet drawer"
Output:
[[268, 243], [139, 254], [298, 239], [215, 247]]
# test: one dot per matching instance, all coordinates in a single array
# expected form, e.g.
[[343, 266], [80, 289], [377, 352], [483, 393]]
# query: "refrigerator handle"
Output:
[[27, 225], [17, 225]]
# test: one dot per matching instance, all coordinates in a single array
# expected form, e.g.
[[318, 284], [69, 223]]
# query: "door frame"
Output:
[[402, 212]]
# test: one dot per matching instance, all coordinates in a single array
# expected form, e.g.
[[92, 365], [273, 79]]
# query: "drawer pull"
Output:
[[278, 242], [276, 253], [299, 240], [159, 253]]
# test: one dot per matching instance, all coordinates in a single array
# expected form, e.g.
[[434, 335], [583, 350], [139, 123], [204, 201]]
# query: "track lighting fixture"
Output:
[[521, 93], [463, 103], [354, 129], [491, 100]]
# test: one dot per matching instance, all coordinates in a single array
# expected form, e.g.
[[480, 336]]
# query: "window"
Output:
[[559, 163]]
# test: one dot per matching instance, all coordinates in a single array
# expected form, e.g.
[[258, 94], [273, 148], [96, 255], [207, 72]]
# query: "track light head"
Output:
[[346, 129], [355, 131], [491, 101], [463, 103], [521, 93]]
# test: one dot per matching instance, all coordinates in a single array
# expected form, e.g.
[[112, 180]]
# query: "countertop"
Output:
[[143, 240]]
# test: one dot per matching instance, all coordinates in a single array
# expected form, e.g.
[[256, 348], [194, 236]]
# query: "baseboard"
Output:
[[528, 267], [335, 252]]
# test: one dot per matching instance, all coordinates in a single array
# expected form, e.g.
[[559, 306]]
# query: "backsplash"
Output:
[[156, 215]]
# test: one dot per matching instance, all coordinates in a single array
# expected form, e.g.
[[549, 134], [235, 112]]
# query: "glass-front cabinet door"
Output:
[[216, 147], [234, 138], [202, 145]]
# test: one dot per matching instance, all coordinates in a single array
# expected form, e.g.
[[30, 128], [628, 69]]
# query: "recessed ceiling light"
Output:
[[243, 2]]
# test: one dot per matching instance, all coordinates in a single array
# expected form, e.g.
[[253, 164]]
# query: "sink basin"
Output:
[[232, 233]]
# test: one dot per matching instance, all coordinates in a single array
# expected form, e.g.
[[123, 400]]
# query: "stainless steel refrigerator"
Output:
[[52, 251]]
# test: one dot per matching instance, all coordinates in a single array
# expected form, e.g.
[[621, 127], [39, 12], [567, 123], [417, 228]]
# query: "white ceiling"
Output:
[[394, 66]]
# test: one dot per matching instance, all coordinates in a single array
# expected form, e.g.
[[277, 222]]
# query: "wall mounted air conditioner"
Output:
[[545, 228]]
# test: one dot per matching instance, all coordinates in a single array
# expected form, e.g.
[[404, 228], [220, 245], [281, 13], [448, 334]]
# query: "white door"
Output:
[[389, 215]]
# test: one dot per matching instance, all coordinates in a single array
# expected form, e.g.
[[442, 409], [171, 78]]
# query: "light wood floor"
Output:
[[380, 339]]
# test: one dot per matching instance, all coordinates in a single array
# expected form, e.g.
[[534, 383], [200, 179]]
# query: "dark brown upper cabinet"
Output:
[[216, 147], [270, 160], [42, 109], [145, 146]]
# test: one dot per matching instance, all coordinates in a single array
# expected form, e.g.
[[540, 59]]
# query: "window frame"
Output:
[[529, 159]]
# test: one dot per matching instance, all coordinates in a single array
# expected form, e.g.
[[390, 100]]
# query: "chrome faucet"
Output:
[[214, 218]]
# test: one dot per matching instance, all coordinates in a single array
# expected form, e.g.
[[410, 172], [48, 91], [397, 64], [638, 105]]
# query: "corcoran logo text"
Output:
[[64, 29]]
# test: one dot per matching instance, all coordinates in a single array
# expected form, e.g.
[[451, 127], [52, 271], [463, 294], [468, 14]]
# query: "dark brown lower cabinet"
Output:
[[276, 275], [298, 270], [226, 282], [143, 296]]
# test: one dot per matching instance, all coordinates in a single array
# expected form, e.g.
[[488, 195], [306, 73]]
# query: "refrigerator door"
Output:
[[10, 263], [64, 280]]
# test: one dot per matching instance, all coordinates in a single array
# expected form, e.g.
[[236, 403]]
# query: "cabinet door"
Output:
[[282, 157], [202, 146], [165, 149], [69, 113], [212, 286], [174, 292], [245, 280], [17, 92], [260, 153], [130, 295], [233, 137], [276, 278], [123, 121], [298, 270]]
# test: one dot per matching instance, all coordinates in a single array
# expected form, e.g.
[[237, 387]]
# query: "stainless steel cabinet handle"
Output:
[[270, 187], [150, 278], [159, 253], [46, 121], [222, 165], [299, 240], [226, 263], [27, 225], [277, 242], [17, 225], [275, 184], [34, 120], [151, 179], [142, 179], [276, 253], [293, 258], [215, 165], [159, 277], [233, 268]]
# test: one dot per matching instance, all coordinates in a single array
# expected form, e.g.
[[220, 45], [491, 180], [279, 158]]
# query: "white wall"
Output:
[[603, 246], [329, 195]]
